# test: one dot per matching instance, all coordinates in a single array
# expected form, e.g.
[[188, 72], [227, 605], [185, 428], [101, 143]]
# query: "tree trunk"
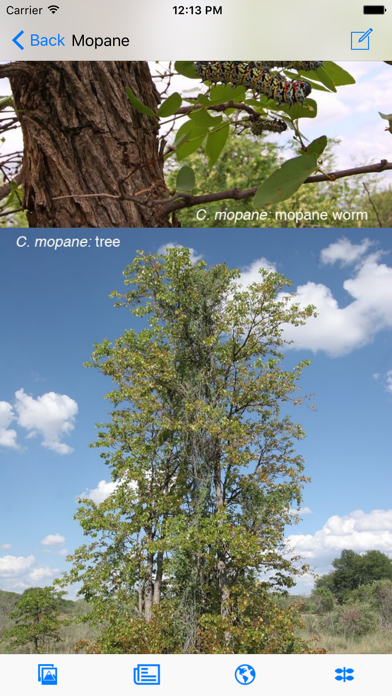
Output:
[[223, 581], [82, 136], [148, 588], [158, 578]]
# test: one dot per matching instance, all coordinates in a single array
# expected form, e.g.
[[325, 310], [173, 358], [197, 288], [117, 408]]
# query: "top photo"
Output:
[[203, 144]]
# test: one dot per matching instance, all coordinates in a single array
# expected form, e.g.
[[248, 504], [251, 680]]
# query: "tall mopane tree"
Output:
[[201, 449]]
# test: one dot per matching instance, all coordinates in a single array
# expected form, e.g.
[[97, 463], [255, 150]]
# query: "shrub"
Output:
[[351, 620]]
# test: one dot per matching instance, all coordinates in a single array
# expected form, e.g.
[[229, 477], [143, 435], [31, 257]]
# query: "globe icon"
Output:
[[245, 674]]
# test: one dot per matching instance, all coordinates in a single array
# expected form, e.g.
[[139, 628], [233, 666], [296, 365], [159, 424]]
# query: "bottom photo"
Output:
[[195, 454]]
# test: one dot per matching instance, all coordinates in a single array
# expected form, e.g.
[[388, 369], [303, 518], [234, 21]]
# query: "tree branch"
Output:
[[11, 212], [219, 107], [372, 204], [15, 69], [187, 200]]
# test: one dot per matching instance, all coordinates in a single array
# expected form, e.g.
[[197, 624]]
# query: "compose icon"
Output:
[[360, 40], [147, 674], [47, 674]]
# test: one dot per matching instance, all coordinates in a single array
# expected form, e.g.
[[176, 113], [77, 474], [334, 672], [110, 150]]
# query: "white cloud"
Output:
[[344, 251], [7, 437], [53, 540], [358, 531], [388, 381], [301, 511], [375, 91], [39, 574], [17, 573], [331, 108], [339, 330], [63, 552], [101, 492], [15, 565], [5, 546], [51, 415], [250, 274], [195, 257]]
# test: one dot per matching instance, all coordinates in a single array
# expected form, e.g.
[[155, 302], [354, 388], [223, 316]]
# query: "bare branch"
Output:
[[372, 204], [186, 200], [367, 169], [11, 212]]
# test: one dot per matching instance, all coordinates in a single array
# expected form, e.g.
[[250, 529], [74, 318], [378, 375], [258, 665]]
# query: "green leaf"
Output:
[[203, 99], [323, 77], [191, 143], [170, 105], [184, 130], [138, 105], [223, 93], [186, 68], [337, 74], [306, 110], [186, 179], [5, 101], [315, 76], [317, 146], [388, 117], [215, 144], [203, 118], [285, 181]]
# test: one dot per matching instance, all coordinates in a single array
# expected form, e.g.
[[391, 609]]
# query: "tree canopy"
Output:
[[36, 617], [353, 570]]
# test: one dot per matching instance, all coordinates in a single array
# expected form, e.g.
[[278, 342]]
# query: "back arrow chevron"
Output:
[[15, 40]]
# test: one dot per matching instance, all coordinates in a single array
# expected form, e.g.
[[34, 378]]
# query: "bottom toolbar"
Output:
[[173, 675]]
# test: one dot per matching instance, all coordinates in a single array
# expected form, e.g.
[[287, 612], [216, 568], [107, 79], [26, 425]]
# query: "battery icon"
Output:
[[374, 9]]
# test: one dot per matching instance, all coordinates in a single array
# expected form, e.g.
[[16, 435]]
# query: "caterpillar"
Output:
[[251, 76], [274, 125], [304, 65]]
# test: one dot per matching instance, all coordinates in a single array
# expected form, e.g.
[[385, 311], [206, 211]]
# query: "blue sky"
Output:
[[55, 306]]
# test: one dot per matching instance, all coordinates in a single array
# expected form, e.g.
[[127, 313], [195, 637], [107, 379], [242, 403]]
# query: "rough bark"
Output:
[[81, 136]]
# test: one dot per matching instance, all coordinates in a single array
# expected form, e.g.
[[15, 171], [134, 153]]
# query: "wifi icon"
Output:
[[53, 8]]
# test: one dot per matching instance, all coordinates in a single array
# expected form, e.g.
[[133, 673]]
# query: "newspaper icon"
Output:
[[147, 674], [47, 674]]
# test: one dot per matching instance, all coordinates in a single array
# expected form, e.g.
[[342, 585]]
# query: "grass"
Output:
[[376, 643]]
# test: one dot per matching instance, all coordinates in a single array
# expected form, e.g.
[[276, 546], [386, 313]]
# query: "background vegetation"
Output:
[[338, 620]]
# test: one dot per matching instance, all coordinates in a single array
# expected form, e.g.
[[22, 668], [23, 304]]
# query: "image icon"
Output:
[[245, 674], [47, 674], [147, 674]]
